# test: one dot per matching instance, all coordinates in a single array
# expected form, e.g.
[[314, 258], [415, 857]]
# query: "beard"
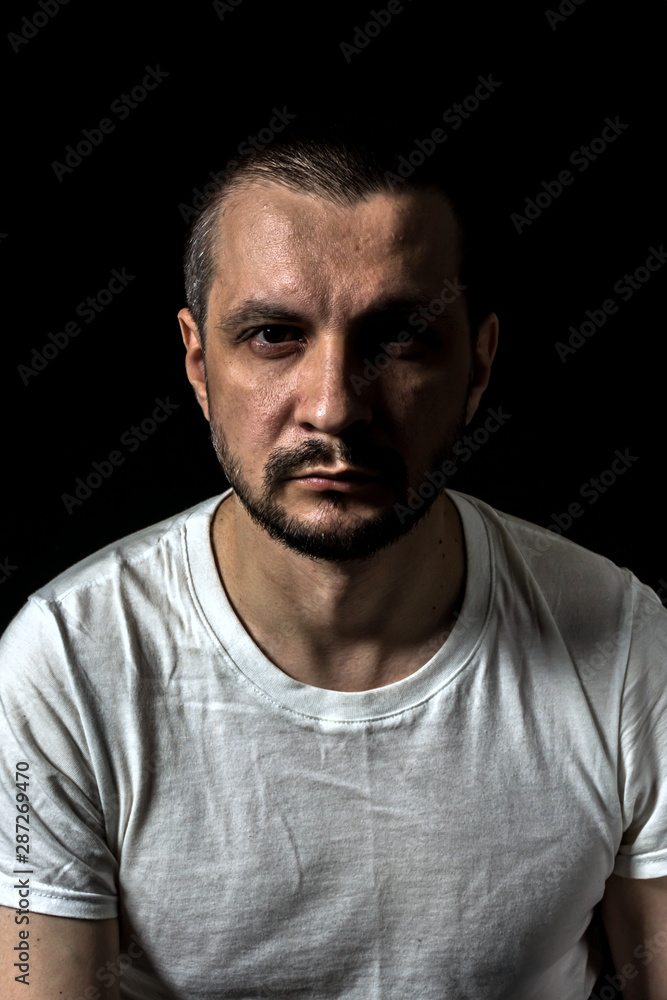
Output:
[[344, 538]]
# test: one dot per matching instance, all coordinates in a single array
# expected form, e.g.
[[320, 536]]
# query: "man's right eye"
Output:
[[272, 340], [272, 333]]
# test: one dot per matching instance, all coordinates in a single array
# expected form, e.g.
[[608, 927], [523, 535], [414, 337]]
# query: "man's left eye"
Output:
[[398, 337]]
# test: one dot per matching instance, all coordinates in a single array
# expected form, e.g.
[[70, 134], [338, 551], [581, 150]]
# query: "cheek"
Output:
[[425, 403], [251, 412]]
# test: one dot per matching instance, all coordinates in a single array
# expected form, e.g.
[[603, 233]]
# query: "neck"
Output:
[[344, 626]]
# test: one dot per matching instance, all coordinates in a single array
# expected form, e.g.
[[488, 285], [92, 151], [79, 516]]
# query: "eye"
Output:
[[273, 339], [398, 337], [273, 334]]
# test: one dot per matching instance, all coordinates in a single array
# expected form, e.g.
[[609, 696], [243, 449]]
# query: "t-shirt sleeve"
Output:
[[642, 767], [48, 744]]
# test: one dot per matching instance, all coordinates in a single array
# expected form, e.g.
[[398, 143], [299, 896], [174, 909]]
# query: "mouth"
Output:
[[345, 480], [344, 473]]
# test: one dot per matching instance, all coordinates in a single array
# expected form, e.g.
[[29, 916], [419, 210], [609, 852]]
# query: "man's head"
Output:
[[342, 163], [327, 327]]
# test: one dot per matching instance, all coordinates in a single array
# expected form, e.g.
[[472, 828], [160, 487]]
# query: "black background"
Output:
[[120, 209]]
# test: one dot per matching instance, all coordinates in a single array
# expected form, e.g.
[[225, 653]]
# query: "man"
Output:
[[334, 733]]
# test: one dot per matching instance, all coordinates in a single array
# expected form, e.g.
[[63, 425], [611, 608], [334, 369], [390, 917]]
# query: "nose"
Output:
[[331, 392]]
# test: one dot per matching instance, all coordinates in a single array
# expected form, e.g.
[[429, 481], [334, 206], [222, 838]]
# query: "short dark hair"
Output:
[[344, 161]]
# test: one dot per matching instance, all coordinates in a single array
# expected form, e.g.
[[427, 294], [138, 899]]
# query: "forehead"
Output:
[[269, 235]]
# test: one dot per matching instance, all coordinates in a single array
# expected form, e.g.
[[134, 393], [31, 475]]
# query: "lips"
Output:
[[351, 475], [346, 480]]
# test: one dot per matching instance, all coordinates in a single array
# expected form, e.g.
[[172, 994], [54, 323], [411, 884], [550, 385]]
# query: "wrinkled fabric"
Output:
[[446, 836]]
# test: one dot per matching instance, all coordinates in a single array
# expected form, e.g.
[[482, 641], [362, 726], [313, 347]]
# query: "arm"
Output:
[[65, 956], [634, 914]]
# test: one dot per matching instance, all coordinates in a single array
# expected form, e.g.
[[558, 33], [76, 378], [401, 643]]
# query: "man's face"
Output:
[[306, 295]]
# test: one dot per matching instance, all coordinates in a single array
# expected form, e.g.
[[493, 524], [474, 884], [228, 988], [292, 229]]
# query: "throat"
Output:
[[336, 630]]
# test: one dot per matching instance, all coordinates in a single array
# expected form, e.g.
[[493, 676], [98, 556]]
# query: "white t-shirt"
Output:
[[444, 837]]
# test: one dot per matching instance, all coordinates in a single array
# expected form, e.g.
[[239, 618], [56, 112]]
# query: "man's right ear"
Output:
[[194, 358]]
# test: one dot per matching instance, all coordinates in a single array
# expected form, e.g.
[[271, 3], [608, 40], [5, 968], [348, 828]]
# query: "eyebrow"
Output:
[[256, 311]]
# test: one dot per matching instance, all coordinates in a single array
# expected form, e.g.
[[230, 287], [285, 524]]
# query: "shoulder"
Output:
[[134, 570], [539, 548], [574, 582], [143, 549]]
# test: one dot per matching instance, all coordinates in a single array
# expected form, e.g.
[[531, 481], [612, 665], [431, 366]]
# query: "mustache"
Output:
[[287, 461]]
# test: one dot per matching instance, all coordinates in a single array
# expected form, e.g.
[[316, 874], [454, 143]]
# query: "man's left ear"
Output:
[[485, 351]]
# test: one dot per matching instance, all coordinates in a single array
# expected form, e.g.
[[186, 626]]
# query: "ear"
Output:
[[485, 350], [194, 358]]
